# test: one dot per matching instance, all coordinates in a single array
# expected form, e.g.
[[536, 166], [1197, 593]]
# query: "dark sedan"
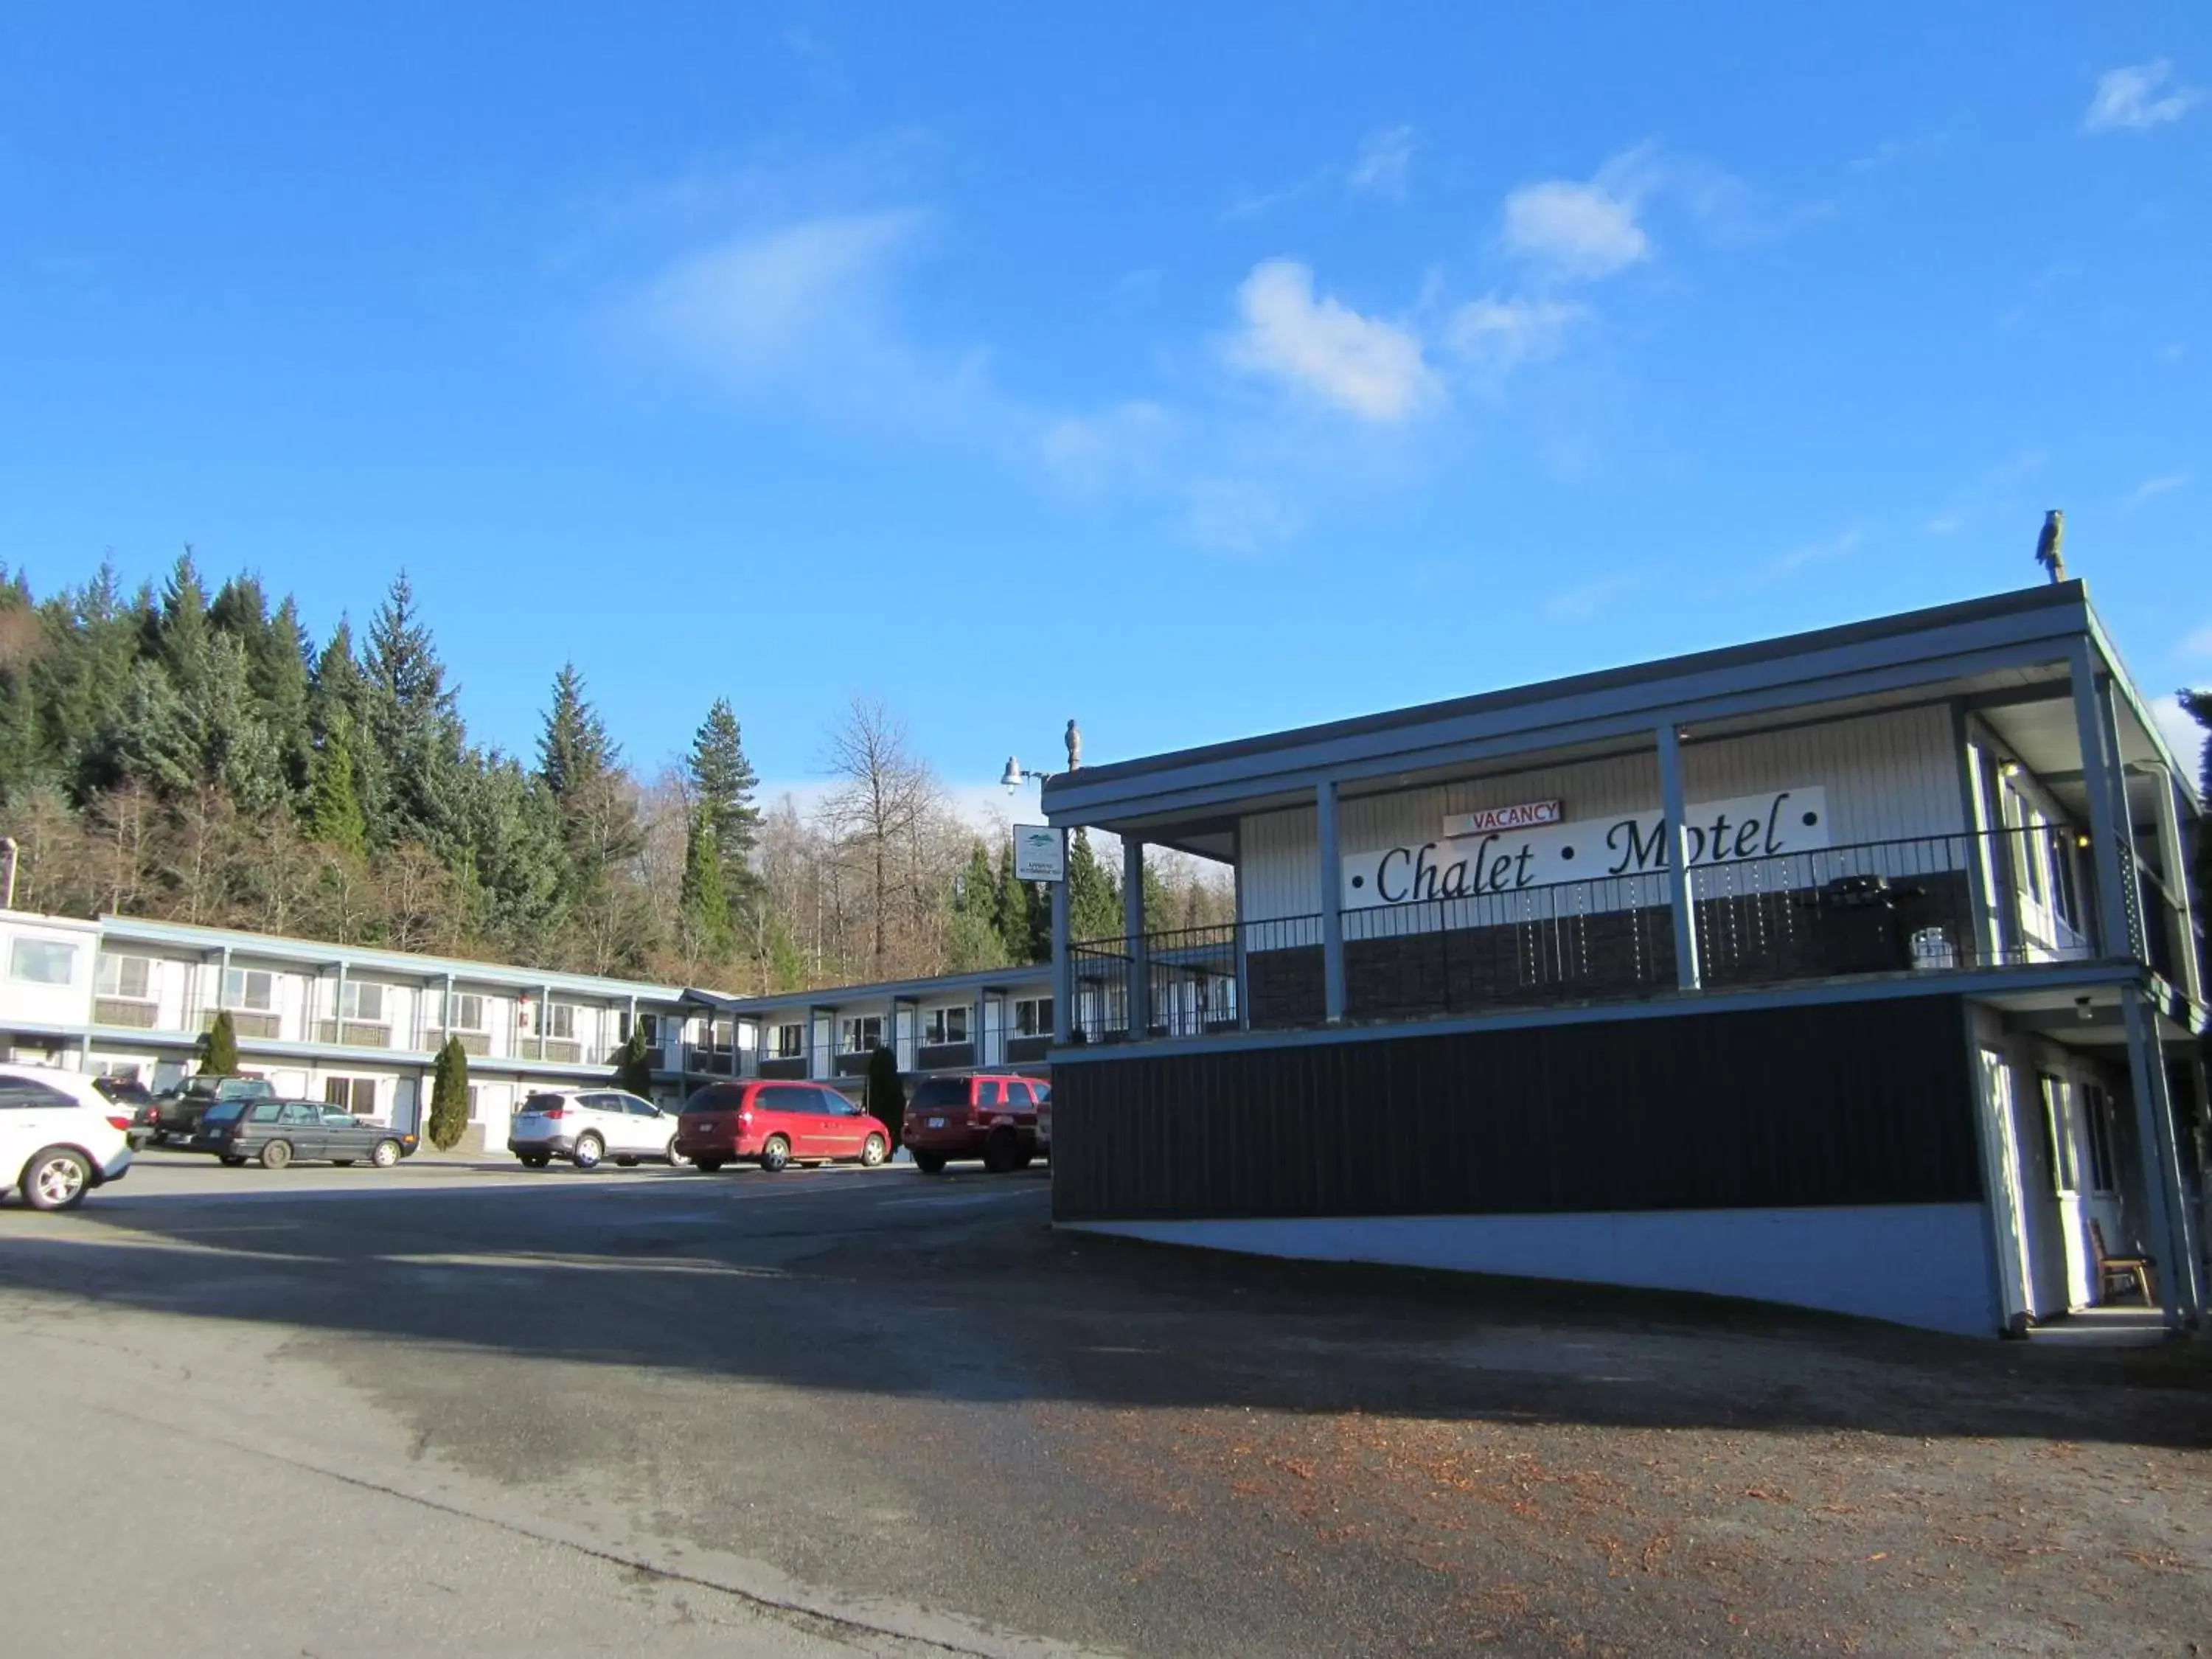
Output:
[[276, 1133]]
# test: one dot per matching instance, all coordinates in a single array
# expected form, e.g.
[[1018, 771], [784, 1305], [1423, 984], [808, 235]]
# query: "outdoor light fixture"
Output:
[[2081, 838], [2009, 769], [2081, 1010], [1013, 777]]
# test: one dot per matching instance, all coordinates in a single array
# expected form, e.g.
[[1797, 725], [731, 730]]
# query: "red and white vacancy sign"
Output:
[[1490, 819]]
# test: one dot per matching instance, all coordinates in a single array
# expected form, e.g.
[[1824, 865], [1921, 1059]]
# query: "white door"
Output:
[[2006, 1209]]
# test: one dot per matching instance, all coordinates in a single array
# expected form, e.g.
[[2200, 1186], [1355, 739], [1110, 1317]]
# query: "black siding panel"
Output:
[[1856, 1103]]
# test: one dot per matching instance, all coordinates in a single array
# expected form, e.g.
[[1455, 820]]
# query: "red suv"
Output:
[[992, 1118], [776, 1124]]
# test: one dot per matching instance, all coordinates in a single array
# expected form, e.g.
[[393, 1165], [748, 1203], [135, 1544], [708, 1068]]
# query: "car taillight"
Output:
[[744, 1117], [115, 1122], [553, 1111]]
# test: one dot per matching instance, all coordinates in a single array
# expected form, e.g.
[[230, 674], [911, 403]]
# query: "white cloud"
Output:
[[2137, 98], [2184, 736], [2150, 488], [1583, 231], [1091, 453], [1581, 602], [1381, 166], [1239, 515], [2198, 644], [1495, 335], [1808, 554], [1372, 368]]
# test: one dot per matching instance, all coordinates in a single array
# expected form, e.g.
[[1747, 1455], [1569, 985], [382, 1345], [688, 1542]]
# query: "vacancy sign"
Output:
[[1525, 816], [1037, 854]]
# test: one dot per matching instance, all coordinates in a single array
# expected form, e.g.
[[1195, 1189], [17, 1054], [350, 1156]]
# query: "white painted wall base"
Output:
[[1914, 1264]]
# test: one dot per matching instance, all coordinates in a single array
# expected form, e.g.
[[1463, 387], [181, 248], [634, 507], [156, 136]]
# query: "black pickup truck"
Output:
[[177, 1114]]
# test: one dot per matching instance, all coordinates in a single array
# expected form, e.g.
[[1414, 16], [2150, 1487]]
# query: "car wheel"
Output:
[[873, 1151], [277, 1154], [929, 1163], [676, 1159], [57, 1179], [590, 1148], [998, 1151], [534, 1160], [708, 1166], [387, 1154], [775, 1155]]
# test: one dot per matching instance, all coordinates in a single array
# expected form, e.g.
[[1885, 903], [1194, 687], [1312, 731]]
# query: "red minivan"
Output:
[[990, 1117], [776, 1124]]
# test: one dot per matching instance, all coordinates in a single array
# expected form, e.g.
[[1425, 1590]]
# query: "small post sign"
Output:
[[1037, 854]]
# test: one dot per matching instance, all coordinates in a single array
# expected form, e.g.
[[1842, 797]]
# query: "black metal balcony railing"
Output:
[[1923, 904]]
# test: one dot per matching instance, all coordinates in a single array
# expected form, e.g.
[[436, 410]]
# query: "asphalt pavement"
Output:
[[458, 1407]]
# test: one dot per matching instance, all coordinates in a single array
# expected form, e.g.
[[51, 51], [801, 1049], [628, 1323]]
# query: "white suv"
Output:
[[585, 1126], [59, 1136]]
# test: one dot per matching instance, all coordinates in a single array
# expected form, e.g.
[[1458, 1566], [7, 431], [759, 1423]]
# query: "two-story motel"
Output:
[[1916, 1036], [361, 1026]]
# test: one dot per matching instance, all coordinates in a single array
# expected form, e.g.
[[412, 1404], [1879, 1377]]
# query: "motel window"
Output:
[[790, 1041], [356, 1094], [253, 989], [561, 1019], [1033, 1017], [2097, 1118], [129, 977], [464, 1011], [41, 961], [363, 1002], [947, 1025], [864, 1033]]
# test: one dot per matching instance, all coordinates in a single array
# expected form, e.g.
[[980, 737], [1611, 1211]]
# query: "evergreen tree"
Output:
[[449, 1096], [515, 861], [1094, 897], [410, 727], [277, 670], [148, 740], [974, 940], [333, 805], [704, 906], [176, 632], [722, 781], [79, 677], [219, 1048], [574, 752], [580, 767], [633, 1069], [885, 1097]]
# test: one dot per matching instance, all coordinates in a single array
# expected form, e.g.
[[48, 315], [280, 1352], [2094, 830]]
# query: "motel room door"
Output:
[[2033, 1256]]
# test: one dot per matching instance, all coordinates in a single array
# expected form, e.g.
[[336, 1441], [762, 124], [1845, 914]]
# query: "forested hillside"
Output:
[[167, 753]]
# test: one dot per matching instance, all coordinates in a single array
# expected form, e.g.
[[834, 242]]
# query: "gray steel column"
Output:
[[2097, 767], [1063, 968], [1678, 858], [337, 1007], [1133, 929], [1987, 946], [1332, 901], [2169, 1231], [1236, 924], [2174, 858]]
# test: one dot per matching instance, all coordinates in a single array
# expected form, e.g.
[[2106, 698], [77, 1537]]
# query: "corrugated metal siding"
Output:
[[1888, 776], [1841, 1104]]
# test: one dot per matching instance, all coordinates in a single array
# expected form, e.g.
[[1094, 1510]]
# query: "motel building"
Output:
[[361, 1027], [1918, 1037]]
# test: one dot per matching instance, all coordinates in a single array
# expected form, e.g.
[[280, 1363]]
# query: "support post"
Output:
[[1133, 928], [1237, 927], [1678, 858], [2098, 765], [1332, 902], [337, 1007], [1987, 946], [2170, 1233], [1063, 967], [2173, 859]]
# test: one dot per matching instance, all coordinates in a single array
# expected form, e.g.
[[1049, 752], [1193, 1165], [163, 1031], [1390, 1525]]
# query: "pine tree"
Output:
[[334, 816], [974, 940], [722, 780], [410, 729], [449, 1096], [1094, 897], [219, 1048], [704, 906], [633, 1065], [581, 768]]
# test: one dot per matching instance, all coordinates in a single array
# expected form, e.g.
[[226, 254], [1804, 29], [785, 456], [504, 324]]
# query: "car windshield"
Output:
[[224, 1112]]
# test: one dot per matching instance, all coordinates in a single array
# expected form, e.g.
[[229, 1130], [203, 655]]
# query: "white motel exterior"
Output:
[[1921, 1032], [361, 1026]]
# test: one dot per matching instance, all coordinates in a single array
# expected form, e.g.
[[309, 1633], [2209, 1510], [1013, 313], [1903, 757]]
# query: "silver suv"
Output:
[[587, 1125]]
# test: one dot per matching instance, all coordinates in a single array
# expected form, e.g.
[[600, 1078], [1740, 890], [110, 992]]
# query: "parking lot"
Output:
[[459, 1407]]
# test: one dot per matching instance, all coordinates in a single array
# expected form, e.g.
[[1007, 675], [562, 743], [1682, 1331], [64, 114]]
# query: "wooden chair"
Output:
[[2123, 1271]]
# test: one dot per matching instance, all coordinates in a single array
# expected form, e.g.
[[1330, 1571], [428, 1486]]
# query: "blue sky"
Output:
[[1194, 371]]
